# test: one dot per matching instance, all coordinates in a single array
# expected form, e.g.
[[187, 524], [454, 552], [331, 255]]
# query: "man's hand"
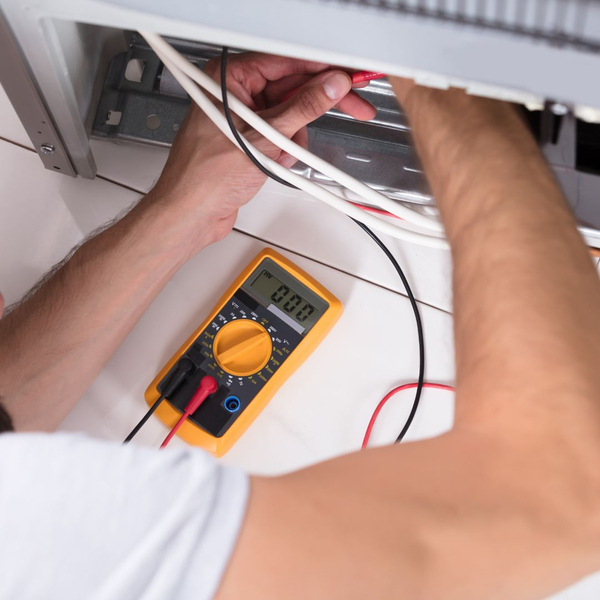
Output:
[[207, 179]]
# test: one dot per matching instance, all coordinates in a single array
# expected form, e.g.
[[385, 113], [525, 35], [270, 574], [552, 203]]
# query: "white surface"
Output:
[[293, 220], [37, 229], [10, 126]]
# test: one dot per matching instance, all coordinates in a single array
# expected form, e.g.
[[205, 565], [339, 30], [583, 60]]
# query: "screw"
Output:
[[47, 149], [560, 110]]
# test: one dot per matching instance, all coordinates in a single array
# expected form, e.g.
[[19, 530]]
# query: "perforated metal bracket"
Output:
[[21, 90]]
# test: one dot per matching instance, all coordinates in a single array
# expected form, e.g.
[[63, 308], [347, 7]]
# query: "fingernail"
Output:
[[336, 86]]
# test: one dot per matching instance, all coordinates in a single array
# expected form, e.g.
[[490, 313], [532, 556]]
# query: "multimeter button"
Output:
[[242, 347]]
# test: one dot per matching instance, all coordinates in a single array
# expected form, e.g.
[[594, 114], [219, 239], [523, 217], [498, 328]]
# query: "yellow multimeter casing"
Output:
[[263, 328]]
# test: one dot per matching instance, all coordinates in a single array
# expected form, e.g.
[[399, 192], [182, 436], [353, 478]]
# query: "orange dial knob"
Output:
[[242, 347]]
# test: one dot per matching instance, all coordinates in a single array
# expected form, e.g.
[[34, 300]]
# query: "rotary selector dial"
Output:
[[242, 347]]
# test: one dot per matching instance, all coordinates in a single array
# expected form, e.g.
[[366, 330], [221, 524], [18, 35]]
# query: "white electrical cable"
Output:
[[160, 45], [308, 186]]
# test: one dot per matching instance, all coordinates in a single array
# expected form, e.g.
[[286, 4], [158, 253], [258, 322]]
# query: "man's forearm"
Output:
[[525, 290], [54, 344]]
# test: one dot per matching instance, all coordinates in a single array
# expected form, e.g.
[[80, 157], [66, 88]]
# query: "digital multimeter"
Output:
[[263, 328]]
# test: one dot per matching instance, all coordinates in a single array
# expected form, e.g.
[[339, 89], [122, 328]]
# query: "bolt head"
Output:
[[47, 149], [560, 110]]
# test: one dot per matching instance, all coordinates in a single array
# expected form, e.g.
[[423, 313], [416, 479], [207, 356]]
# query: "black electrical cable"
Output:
[[184, 368], [135, 430], [234, 130], [415, 307], [381, 245]]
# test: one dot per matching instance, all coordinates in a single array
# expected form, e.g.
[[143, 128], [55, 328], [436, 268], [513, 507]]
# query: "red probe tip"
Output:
[[359, 77], [366, 76]]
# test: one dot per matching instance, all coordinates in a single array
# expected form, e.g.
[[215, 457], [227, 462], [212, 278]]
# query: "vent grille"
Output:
[[556, 22]]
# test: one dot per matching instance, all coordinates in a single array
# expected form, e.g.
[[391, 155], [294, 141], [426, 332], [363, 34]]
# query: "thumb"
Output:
[[310, 102]]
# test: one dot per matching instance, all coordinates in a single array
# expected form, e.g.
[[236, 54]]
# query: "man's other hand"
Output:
[[206, 178]]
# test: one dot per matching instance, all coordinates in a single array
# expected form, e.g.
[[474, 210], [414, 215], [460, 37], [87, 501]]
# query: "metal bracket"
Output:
[[21, 90]]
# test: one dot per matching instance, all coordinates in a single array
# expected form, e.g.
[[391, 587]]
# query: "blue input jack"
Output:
[[232, 404]]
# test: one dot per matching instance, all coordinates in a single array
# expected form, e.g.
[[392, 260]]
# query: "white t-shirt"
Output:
[[86, 519]]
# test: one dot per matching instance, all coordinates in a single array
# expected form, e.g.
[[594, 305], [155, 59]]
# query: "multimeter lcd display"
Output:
[[286, 299]]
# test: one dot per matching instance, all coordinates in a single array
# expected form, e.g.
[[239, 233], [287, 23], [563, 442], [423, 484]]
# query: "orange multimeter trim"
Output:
[[196, 435]]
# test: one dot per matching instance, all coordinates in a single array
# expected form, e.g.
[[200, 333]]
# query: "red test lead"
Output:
[[359, 77], [208, 386], [408, 386], [366, 76]]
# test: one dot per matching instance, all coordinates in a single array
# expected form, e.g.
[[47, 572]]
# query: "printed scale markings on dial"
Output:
[[273, 363], [267, 324], [216, 327]]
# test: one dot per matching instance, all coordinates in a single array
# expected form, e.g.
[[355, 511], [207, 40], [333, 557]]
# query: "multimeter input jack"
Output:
[[232, 404]]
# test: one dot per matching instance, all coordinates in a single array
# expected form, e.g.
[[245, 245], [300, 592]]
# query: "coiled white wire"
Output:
[[186, 74]]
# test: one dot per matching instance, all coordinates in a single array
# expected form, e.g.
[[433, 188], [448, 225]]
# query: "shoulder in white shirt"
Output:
[[86, 519]]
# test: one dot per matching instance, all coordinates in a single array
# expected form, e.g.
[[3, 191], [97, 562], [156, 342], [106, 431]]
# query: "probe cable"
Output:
[[144, 419], [208, 385], [381, 245], [415, 307], [389, 395], [183, 369]]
